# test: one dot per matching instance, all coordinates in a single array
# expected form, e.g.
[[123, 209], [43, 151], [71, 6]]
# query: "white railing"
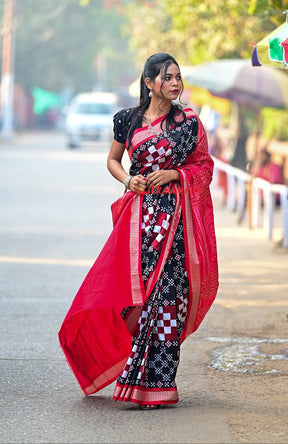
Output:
[[270, 192], [237, 184]]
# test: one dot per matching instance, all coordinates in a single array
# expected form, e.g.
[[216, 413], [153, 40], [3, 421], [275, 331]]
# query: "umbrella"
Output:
[[201, 96], [273, 49], [237, 80]]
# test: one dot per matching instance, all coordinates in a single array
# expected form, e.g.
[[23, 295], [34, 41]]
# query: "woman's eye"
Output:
[[167, 78]]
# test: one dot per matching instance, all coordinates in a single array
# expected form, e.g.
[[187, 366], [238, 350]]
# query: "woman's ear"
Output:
[[148, 83]]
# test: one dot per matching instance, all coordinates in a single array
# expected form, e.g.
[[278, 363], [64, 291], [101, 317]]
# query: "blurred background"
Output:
[[57, 49], [53, 51]]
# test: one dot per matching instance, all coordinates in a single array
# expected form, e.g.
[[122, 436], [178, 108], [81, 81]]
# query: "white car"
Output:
[[90, 117]]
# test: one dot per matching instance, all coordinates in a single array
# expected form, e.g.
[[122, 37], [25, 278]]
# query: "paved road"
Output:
[[54, 219]]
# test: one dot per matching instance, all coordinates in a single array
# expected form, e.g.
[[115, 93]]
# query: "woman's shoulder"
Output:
[[189, 112], [122, 122], [123, 114], [194, 117]]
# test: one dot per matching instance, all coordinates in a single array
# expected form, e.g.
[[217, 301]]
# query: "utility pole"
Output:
[[7, 80]]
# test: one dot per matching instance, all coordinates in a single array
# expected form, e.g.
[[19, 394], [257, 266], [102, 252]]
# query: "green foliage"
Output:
[[197, 31], [274, 123], [72, 42], [268, 9], [60, 43], [147, 27]]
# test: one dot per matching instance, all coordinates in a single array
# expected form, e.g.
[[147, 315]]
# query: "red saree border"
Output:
[[135, 250], [132, 318], [144, 396], [154, 123], [166, 246], [192, 261], [105, 378], [142, 134]]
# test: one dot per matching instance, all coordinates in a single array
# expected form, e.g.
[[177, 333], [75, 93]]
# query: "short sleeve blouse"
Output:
[[121, 123]]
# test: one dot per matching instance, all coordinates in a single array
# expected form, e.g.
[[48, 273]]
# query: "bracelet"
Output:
[[127, 181]]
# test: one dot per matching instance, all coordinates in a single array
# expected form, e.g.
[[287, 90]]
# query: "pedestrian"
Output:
[[156, 276], [263, 167]]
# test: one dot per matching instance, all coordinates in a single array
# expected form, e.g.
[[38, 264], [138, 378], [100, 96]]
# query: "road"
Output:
[[54, 219]]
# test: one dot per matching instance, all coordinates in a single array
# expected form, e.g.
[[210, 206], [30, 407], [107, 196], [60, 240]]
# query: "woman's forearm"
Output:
[[116, 169], [114, 160], [176, 176]]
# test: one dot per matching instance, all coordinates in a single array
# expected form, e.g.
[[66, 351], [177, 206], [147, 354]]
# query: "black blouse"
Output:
[[121, 125]]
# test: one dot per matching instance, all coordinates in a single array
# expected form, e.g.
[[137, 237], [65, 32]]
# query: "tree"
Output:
[[60, 43], [196, 31], [268, 9]]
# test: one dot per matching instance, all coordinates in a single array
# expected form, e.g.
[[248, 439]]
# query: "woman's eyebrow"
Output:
[[170, 73]]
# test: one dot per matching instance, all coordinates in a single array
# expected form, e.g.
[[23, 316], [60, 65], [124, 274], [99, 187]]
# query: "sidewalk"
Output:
[[246, 334]]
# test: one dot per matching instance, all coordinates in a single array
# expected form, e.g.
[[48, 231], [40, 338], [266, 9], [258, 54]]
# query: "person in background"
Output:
[[264, 168], [216, 150], [157, 274]]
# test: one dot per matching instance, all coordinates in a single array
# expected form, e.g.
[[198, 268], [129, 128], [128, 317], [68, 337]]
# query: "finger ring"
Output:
[[142, 188]]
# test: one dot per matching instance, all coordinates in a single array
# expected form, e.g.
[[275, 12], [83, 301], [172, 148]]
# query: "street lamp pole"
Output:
[[7, 80]]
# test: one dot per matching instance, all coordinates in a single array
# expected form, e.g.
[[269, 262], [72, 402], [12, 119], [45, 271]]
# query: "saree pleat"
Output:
[[153, 361]]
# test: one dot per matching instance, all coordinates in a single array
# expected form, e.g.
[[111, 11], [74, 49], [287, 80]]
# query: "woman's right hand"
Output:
[[137, 184]]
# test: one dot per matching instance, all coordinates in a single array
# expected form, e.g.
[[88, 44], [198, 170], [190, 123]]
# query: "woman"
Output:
[[264, 168], [156, 276]]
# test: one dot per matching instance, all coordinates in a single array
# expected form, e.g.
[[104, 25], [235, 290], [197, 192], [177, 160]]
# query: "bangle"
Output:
[[127, 181]]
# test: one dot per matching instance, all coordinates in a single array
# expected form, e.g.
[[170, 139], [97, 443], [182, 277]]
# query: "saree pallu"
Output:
[[96, 334]]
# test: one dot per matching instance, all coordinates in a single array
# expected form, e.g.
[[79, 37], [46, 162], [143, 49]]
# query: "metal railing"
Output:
[[262, 198]]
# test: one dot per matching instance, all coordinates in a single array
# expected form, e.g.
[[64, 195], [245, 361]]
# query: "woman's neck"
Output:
[[158, 109]]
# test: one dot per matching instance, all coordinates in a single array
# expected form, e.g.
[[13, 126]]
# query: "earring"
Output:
[[150, 93]]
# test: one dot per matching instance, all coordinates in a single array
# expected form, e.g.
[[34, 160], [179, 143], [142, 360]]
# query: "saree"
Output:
[[156, 276]]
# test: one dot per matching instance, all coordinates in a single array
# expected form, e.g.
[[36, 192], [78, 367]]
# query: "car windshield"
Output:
[[93, 108]]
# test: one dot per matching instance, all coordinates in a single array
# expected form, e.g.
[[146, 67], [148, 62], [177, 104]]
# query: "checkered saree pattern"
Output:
[[149, 374]]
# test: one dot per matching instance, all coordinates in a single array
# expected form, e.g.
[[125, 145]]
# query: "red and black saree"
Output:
[[155, 278]]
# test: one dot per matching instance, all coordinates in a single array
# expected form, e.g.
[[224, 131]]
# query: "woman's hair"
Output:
[[154, 65]]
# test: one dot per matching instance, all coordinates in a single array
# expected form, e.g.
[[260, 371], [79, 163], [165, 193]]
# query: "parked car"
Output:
[[90, 117]]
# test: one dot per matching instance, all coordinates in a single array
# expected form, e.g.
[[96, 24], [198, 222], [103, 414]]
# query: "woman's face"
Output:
[[171, 83]]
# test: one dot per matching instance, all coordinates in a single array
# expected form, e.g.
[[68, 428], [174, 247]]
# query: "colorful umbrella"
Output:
[[201, 97], [273, 49], [237, 80]]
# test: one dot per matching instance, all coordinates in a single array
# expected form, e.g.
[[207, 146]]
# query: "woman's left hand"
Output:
[[161, 177]]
